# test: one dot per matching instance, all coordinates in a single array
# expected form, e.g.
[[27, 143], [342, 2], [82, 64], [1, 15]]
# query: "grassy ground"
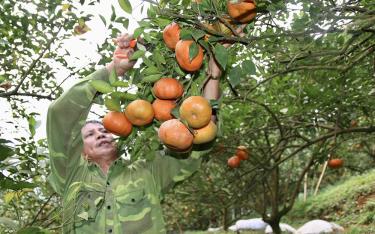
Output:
[[350, 203]]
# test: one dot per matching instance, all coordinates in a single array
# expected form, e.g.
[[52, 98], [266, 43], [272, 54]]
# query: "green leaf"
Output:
[[2, 78], [5, 151], [7, 183], [158, 57], [124, 96], [126, 6], [193, 51], [176, 112], [32, 122], [103, 19], [150, 71], [185, 34], [137, 55], [151, 78], [162, 23], [113, 77], [138, 32], [234, 76], [113, 15], [101, 86], [197, 34], [112, 104], [221, 55], [248, 67], [120, 83]]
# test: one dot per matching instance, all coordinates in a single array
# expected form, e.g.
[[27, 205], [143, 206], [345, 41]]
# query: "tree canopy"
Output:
[[298, 88]]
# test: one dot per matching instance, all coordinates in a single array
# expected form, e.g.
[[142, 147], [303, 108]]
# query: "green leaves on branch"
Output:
[[112, 104], [8, 183], [101, 86], [244, 69], [126, 6], [137, 54], [221, 55], [193, 51], [5, 151]]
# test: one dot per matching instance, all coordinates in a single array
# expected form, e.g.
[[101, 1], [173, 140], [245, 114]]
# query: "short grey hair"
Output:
[[94, 121]]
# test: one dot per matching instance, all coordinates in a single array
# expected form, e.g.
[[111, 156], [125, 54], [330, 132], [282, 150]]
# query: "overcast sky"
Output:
[[83, 50]]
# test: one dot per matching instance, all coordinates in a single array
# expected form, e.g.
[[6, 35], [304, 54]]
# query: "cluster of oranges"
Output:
[[241, 154], [194, 125], [171, 37], [196, 111]]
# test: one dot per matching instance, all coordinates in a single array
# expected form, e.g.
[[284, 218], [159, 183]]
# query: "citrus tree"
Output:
[[294, 76]]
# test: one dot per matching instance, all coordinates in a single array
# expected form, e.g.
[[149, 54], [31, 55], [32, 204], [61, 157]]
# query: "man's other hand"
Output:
[[121, 57]]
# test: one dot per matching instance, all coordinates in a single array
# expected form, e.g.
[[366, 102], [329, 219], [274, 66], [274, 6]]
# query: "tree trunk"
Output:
[[275, 226], [225, 219]]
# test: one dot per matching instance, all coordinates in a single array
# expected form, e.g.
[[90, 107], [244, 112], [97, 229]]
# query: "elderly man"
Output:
[[102, 193]]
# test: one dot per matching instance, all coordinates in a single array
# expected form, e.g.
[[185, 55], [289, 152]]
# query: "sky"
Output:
[[82, 53]]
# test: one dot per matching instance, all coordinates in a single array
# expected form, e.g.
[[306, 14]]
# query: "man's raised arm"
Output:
[[67, 115]]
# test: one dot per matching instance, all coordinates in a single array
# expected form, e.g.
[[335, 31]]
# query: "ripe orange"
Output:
[[168, 88], [242, 152], [242, 10], [196, 110], [117, 123], [205, 134], [163, 108], [183, 59], [335, 163], [234, 161], [175, 135], [171, 35], [139, 112]]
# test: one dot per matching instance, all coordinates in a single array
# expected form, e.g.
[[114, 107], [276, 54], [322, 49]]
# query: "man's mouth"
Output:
[[103, 143]]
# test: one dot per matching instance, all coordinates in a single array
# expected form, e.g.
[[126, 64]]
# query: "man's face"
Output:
[[98, 143]]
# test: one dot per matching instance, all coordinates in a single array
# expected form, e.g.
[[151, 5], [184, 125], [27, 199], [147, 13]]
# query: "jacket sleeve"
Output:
[[168, 170], [65, 118]]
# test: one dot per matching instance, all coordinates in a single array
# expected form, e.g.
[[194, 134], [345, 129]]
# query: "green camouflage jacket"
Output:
[[127, 199]]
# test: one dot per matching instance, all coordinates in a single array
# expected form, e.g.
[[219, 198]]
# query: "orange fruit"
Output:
[[117, 123], [139, 112], [168, 88], [196, 110], [205, 134], [163, 108], [183, 59], [335, 163], [175, 135], [133, 43], [242, 10], [171, 35], [242, 152], [234, 161]]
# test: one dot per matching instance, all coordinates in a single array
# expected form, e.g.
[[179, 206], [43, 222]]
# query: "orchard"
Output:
[[297, 96]]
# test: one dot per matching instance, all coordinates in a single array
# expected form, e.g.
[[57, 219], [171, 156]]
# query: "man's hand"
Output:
[[121, 57]]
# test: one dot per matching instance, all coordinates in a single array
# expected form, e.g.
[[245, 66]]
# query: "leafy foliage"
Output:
[[294, 80]]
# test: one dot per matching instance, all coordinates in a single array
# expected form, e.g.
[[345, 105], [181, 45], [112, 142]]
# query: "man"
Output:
[[101, 192]]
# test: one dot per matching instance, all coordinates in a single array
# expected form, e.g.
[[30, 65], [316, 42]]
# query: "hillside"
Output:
[[350, 203]]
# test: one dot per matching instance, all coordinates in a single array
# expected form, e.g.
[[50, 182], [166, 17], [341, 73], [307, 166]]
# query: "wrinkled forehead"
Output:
[[91, 126]]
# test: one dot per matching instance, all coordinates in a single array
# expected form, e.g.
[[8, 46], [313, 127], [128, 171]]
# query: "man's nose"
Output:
[[100, 135]]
